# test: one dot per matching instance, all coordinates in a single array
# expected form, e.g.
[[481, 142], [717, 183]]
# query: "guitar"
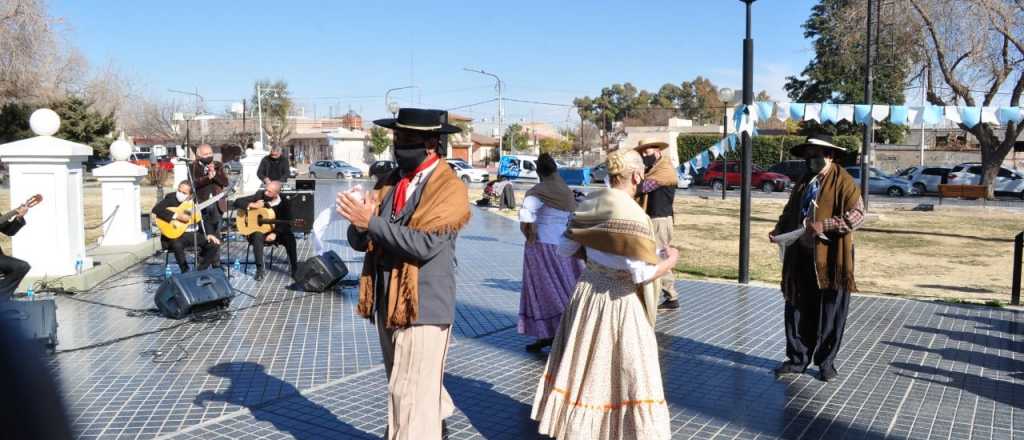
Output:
[[32, 201], [174, 229], [262, 220]]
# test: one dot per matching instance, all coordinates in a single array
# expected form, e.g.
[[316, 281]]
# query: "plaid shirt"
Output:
[[851, 220], [648, 185]]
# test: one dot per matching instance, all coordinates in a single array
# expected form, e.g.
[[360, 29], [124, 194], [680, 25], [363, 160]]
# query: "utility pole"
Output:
[[869, 123], [259, 111], [747, 162], [496, 78]]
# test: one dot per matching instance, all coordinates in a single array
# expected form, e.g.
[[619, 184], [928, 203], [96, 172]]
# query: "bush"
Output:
[[767, 150], [157, 176]]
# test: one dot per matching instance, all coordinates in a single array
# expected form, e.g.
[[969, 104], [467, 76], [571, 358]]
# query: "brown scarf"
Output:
[[554, 192], [443, 209], [661, 173], [833, 259]]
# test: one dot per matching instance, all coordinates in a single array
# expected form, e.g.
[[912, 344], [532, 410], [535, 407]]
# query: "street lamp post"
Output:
[[198, 106], [726, 95], [746, 164], [392, 106], [496, 78]]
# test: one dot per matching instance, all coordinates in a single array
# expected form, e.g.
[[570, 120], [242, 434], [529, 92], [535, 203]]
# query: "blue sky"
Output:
[[346, 54]]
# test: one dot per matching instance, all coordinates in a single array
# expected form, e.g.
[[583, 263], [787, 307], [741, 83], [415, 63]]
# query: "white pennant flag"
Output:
[[879, 112], [782, 110], [812, 112], [953, 114], [914, 115], [988, 115], [846, 112]]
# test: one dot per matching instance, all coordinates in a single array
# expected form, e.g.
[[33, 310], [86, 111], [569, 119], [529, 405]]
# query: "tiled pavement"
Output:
[[294, 365]]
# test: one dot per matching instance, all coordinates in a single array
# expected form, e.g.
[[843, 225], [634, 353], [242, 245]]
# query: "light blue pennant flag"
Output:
[[716, 149], [970, 116], [861, 113], [706, 157], [732, 142], [829, 113], [764, 110], [693, 164], [932, 115], [796, 111], [898, 114], [1006, 115]]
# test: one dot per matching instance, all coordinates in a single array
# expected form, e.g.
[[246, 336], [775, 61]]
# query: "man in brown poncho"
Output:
[[408, 226], [817, 270], [657, 194]]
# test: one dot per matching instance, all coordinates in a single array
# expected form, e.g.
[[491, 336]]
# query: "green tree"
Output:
[[555, 146], [836, 73], [516, 138], [14, 122], [80, 123], [277, 105], [379, 140]]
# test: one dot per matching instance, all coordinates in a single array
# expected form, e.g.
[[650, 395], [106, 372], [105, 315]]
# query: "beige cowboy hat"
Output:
[[650, 143]]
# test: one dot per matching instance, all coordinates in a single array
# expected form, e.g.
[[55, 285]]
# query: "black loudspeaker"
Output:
[[305, 185], [301, 203], [193, 292], [321, 272], [35, 319]]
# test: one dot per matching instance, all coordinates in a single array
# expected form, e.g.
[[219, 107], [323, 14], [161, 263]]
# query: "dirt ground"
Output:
[[93, 210], [952, 252]]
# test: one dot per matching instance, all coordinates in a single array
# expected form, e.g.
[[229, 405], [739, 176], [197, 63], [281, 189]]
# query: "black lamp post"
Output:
[[746, 163]]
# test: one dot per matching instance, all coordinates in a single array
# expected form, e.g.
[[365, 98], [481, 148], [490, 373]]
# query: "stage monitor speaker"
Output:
[[321, 272], [35, 319], [193, 292], [302, 208], [305, 184]]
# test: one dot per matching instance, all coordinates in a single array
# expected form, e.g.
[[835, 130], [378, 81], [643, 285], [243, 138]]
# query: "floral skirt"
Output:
[[548, 282], [603, 378]]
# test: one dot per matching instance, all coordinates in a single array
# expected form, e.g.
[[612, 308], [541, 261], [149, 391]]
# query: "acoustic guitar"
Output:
[[261, 220], [32, 201], [174, 229]]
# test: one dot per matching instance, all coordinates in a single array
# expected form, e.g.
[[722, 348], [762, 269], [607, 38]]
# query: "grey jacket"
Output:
[[434, 253]]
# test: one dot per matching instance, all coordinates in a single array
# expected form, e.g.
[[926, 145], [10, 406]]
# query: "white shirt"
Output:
[[641, 272], [417, 180], [551, 222]]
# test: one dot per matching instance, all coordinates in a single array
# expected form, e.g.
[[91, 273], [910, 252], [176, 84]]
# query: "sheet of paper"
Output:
[[784, 240]]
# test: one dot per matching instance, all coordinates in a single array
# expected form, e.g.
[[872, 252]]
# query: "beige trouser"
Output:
[[414, 359], [663, 234]]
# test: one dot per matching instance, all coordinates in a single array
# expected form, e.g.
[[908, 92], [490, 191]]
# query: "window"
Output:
[[321, 163], [854, 172], [934, 172], [974, 170], [529, 166], [1003, 172], [733, 168]]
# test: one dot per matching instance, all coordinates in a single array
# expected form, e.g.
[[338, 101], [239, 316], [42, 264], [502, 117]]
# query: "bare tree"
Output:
[[36, 64]]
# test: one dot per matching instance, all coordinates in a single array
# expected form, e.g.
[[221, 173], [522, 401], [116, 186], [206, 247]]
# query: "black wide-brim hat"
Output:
[[817, 140], [419, 120]]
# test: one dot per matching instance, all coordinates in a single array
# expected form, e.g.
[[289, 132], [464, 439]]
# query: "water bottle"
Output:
[[78, 265], [167, 271], [30, 293], [236, 269]]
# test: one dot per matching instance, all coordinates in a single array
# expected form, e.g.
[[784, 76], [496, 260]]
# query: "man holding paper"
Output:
[[815, 231]]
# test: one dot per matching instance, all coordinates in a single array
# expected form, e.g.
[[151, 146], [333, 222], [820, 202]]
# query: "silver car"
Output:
[[326, 169], [881, 183], [925, 179]]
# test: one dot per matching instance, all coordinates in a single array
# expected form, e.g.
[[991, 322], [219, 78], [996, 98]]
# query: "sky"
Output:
[[341, 55]]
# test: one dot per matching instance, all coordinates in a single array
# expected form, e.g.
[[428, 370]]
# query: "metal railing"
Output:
[[1018, 252]]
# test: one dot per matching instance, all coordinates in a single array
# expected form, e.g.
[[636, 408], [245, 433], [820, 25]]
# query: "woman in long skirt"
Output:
[[548, 277], [603, 378]]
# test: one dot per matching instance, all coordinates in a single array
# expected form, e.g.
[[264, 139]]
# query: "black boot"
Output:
[[260, 274], [827, 373], [669, 304], [538, 345]]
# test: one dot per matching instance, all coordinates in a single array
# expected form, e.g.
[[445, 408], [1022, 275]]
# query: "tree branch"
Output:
[[940, 52]]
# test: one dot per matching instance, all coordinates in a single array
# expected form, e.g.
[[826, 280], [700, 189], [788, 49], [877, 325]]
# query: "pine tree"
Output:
[[80, 123]]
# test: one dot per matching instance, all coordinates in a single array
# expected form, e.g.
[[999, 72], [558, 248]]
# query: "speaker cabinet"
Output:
[[193, 292], [321, 272], [302, 208], [35, 319]]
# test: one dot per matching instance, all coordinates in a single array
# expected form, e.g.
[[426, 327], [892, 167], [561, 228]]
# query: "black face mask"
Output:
[[410, 156], [815, 164], [206, 160], [649, 162]]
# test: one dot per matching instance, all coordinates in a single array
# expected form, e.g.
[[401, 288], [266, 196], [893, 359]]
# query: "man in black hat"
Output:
[[817, 269], [407, 226]]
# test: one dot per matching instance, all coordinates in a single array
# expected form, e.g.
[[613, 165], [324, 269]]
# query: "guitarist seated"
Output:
[[270, 197], [209, 245], [13, 269]]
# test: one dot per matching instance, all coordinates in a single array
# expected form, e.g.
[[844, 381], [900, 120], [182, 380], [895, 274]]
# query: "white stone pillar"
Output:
[[250, 164], [54, 237], [122, 205], [180, 172]]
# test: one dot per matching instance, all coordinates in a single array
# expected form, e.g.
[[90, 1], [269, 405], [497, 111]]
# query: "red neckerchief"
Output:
[[403, 184]]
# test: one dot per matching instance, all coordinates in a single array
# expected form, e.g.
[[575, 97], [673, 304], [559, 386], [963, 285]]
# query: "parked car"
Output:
[[794, 169], [881, 183], [141, 158], [293, 172], [1008, 182], [382, 167], [759, 178], [599, 173], [685, 179], [925, 179], [466, 172], [233, 166], [334, 168]]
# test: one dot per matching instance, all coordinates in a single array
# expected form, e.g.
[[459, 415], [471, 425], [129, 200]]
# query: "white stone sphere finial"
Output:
[[44, 122], [120, 149]]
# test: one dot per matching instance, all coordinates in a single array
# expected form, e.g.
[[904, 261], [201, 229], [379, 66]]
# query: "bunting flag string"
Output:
[[745, 119]]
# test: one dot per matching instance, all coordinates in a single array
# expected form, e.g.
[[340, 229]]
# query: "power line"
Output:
[[473, 104]]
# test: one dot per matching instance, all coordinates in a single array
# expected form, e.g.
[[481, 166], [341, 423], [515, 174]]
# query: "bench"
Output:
[[970, 192]]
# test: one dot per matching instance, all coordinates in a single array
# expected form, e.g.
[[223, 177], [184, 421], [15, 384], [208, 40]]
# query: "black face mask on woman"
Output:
[[410, 156], [649, 162], [815, 164]]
